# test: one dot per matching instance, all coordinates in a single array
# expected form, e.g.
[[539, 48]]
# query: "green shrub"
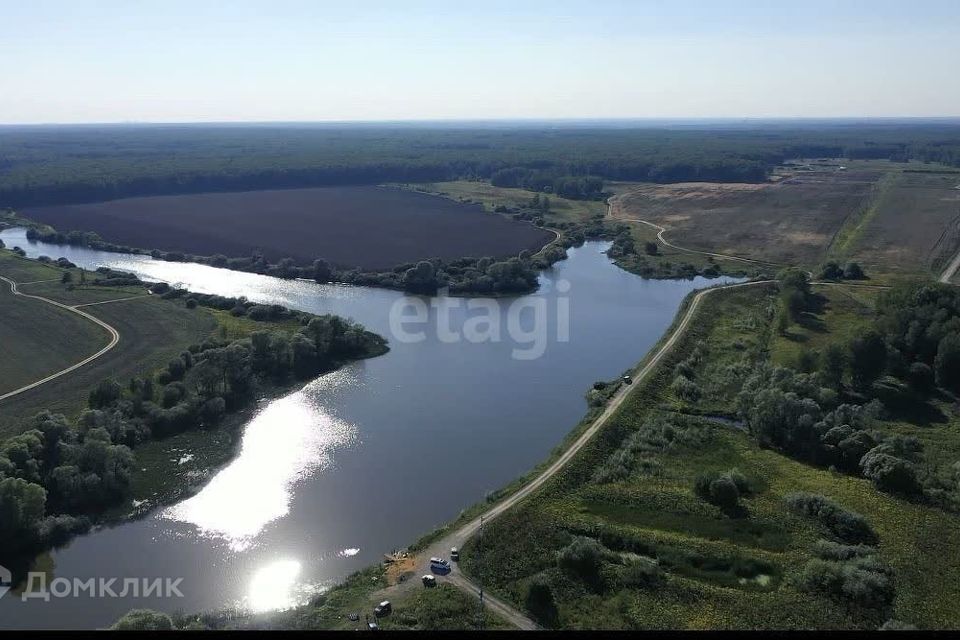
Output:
[[848, 526], [144, 620], [642, 574]]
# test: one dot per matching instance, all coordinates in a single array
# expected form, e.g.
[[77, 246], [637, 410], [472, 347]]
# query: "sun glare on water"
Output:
[[289, 439], [274, 586]]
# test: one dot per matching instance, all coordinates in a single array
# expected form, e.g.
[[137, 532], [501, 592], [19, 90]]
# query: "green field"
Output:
[[38, 339], [561, 209], [43, 338], [720, 570]]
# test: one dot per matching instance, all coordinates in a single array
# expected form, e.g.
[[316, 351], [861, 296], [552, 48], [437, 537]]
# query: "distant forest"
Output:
[[75, 164]]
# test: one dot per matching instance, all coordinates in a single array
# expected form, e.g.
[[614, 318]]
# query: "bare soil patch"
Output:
[[366, 227]]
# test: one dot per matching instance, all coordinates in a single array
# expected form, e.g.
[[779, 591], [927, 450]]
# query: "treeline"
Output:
[[55, 165], [59, 475], [831, 416], [572, 187]]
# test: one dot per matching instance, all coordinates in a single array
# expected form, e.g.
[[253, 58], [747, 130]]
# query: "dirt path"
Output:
[[114, 339], [442, 546], [947, 276], [661, 230]]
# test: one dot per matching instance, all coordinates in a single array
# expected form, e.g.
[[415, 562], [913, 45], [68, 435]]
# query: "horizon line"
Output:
[[496, 120]]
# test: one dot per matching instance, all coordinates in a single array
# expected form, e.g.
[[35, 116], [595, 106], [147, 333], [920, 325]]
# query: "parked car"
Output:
[[429, 581], [383, 608], [627, 380], [455, 554], [439, 565], [373, 626]]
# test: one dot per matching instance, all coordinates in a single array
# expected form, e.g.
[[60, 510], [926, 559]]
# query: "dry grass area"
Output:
[[914, 224], [790, 220], [896, 219]]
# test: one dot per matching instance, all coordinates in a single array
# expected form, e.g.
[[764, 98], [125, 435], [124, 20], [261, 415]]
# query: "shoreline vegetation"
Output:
[[818, 522], [65, 474]]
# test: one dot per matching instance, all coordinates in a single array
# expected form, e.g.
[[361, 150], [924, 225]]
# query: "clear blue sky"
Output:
[[236, 60]]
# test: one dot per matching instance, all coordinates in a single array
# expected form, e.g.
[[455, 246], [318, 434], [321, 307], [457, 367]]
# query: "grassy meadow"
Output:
[[41, 338], [714, 569]]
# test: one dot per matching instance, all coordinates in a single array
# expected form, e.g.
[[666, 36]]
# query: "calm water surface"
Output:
[[369, 458]]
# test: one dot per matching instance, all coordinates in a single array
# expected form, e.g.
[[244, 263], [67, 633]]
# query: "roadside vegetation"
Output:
[[704, 506]]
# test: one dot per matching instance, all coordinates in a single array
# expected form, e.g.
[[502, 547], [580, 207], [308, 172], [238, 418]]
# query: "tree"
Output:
[[322, 271], [831, 271], [143, 620], [868, 354], [793, 278], [720, 490], [853, 271], [540, 601], [783, 321], [421, 279], [890, 473], [832, 366], [651, 248], [582, 558], [947, 362], [921, 378], [22, 506], [105, 394], [66, 278]]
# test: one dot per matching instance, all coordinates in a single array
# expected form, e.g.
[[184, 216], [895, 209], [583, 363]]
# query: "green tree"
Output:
[[868, 354], [22, 506], [832, 366], [143, 620], [322, 271], [947, 362], [853, 271], [540, 601], [582, 558]]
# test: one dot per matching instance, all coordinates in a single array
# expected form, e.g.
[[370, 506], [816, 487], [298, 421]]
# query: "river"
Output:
[[371, 457]]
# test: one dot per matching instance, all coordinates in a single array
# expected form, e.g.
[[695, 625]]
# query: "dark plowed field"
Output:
[[368, 227]]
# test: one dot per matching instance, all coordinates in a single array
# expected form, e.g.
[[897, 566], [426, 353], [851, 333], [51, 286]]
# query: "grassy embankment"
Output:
[[719, 571], [152, 331]]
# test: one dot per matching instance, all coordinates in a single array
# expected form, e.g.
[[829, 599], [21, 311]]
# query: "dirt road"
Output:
[[441, 547], [114, 339]]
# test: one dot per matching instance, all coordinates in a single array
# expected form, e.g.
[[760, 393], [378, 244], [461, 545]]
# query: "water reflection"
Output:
[[287, 440], [371, 457], [274, 587]]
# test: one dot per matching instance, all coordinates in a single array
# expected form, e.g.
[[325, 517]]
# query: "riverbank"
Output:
[[315, 508], [356, 593], [205, 390]]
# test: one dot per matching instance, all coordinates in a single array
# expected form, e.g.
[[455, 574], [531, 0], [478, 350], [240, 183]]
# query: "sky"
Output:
[[64, 61]]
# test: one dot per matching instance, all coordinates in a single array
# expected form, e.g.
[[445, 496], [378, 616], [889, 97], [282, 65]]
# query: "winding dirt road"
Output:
[[442, 546], [114, 339]]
